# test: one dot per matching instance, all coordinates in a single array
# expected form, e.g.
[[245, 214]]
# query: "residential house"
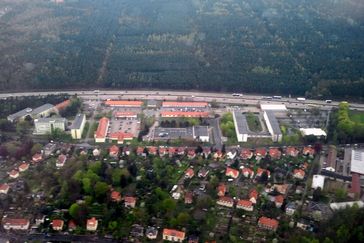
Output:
[[137, 230], [37, 157], [23, 167], [281, 188], [114, 151], [232, 173], [260, 171], [189, 173], [308, 151], [61, 160], [218, 155], [115, 196], [231, 154], [275, 153], [152, 150], [260, 152], [163, 151], [278, 201], [188, 198], [91, 224], [253, 196], [206, 151], [191, 153], [140, 151], [151, 233], [203, 172], [298, 174], [225, 201], [130, 201], [181, 151], [246, 154], [4, 188], [126, 151], [247, 172], [245, 205], [292, 151], [172, 151], [15, 224], [268, 223], [173, 235], [72, 225], [14, 174], [221, 190], [101, 132], [291, 208], [57, 224]]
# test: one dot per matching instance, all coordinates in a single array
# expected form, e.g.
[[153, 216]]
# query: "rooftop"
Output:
[[184, 104], [357, 161], [42, 108], [273, 107], [102, 128], [51, 120], [241, 122], [273, 122], [77, 122], [200, 131], [318, 132], [124, 103]]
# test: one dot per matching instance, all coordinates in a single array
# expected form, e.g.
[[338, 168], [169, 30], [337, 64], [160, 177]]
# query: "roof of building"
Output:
[[189, 172], [268, 222], [63, 105], [275, 153], [343, 205], [244, 203], [42, 108], [77, 122], [226, 199], [57, 223], [174, 233], [357, 161], [4, 187], [50, 120], [231, 172], [355, 183], [102, 128], [184, 113], [21, 113], [273, 122], [92, 222], [124, 102], [24, 166], [13, 173], [261, 152], [12, 221], [114, 149], [273, 107], [279, 199], [241, 122], [129, 199], [318, 132], [125, 114], [184, 104], [253, 193], [221, 188], [115, 195], [299, 172], [200, 131]]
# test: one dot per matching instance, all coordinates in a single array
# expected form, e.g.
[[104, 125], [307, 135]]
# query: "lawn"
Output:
[[253, 122], [357, 116]]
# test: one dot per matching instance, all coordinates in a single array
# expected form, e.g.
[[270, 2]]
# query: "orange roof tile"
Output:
[[184, 104], [124, 103], [114, 149], [253, 194], [279, 199], [20, 222], [57, 223], [174, 233], [102, 128], [272, 223], [125, 114], [244, 203], [184, 114], [63, 105], [231, 172], [4, 187], [23, 166]]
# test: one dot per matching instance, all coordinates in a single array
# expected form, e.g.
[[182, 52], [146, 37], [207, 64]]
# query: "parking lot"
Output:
[[124, 125], [172, 133]]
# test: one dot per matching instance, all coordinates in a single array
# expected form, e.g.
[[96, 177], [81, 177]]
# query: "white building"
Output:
[[201, 133], [273, 107], [78, 126], [241, 126], [47, 125], [343, 205], [41, 111], [317, 132], [273, 126], [15, 224], [357, 161], [318, 181]]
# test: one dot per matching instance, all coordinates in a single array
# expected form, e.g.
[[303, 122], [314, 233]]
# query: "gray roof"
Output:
[[152, 103], [50, 119], [42, 108], [201, 131], [76, 124], [241, 123], [273, 122], [21, 113]]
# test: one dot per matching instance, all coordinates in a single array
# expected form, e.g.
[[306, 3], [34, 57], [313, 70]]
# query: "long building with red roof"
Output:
[[184, 114], [124, 103], [184, 104], [101, 132]]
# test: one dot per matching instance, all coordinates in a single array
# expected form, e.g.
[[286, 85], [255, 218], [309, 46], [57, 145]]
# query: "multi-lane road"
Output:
[[247, 99]]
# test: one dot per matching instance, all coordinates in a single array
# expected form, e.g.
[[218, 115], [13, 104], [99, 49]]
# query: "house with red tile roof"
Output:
[[172, 151], [298, 174], [114, 151], [37, 157], [247, 172], [72, 225], [225, 201], [275, 153], [125, 114], [61, 160], [124, 103], [152, 150], [232, 173], [91, 224], [221, 190], [218, 154], [13, 174], [184, 114], [140, 151], [23, 167], [268, 223], [115, 196], [120, 137], [308, 151], [188, 197], [281, 188], [191, 153], [355, 189], [189, 173], [57, 224], [246, 154], [173, 235], [206, 151], [130, 201], [181, 151], [278, 200], [101, 132], [15, 224], [253, 196], [245, 205], [63, 105], [260, 152], [163, 151], [4, 188], [292, 151], [260, 171], [174, 104]]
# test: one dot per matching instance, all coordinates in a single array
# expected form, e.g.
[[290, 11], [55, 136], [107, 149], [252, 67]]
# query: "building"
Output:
[[247, 172], [253, 196], [23, 167], [221, 190], [357, 162], [57, 224], [91, 224], [203, 172], [173, 235], [318, 181], [298, 174], [14, 174], [273, 107], [61, 160], [241, 126], [267, 223], [291, 208], [343, 205], [225, 201], [101, 132], [194, 114], [63, 105], [308, 151], [246, 154], [124, 103], [317, 132], [20, 115], [275, 153], [245, 205], [41, 111], [292, 151], [115, 196], [201, 133], [188, 197], [125, 114], [72, 225], [278, 200], [151, 233], [232, 173], [152, 104], [114, 151], [130, 202], [37, 157], [48, 125], [4, 188], [189, 173], [273, 126], [260, 152], [173, 104], [77, 126], [120, 137], [15, 224]]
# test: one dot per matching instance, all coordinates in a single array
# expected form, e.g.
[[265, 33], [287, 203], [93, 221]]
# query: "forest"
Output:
[[310, 47]]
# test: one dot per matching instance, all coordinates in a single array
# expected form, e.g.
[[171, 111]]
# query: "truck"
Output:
[[301, 99], [277, 97], [237, 95], [328, 101]]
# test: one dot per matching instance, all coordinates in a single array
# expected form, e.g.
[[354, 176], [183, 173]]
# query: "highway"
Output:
[[225, 98]]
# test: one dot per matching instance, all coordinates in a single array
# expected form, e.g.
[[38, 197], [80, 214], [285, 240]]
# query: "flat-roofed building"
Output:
[[124, 103], [357, 162], [78, 125], [184, 114], [48, 125], [176, 104], [273, 126], [273, 107], [41, 111], [101, 132], [20, 115], [241, 126], [201, 133], [317, 132]]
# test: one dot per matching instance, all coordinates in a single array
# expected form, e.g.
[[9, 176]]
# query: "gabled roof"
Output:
[[184, 114], [125, 114], [231, 172], [308, 151], [184, 104], [244, 203], [246, 153], [253, 194], [279, 199], [57, 223], [91, 222], [275, 153], [226, 199], [77, 122], [102, 128], [4, 187], [63, 105], [114, 149], [123, 103], [261, 152], [24, 166], [174, 233], [189, 172], [292, 151], [272, 223], [15, 222], [115, 196], [299, 172], [221, 189]]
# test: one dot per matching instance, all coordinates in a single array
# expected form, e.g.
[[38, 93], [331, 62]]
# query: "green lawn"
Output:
[[357, 116], [253, 122]]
